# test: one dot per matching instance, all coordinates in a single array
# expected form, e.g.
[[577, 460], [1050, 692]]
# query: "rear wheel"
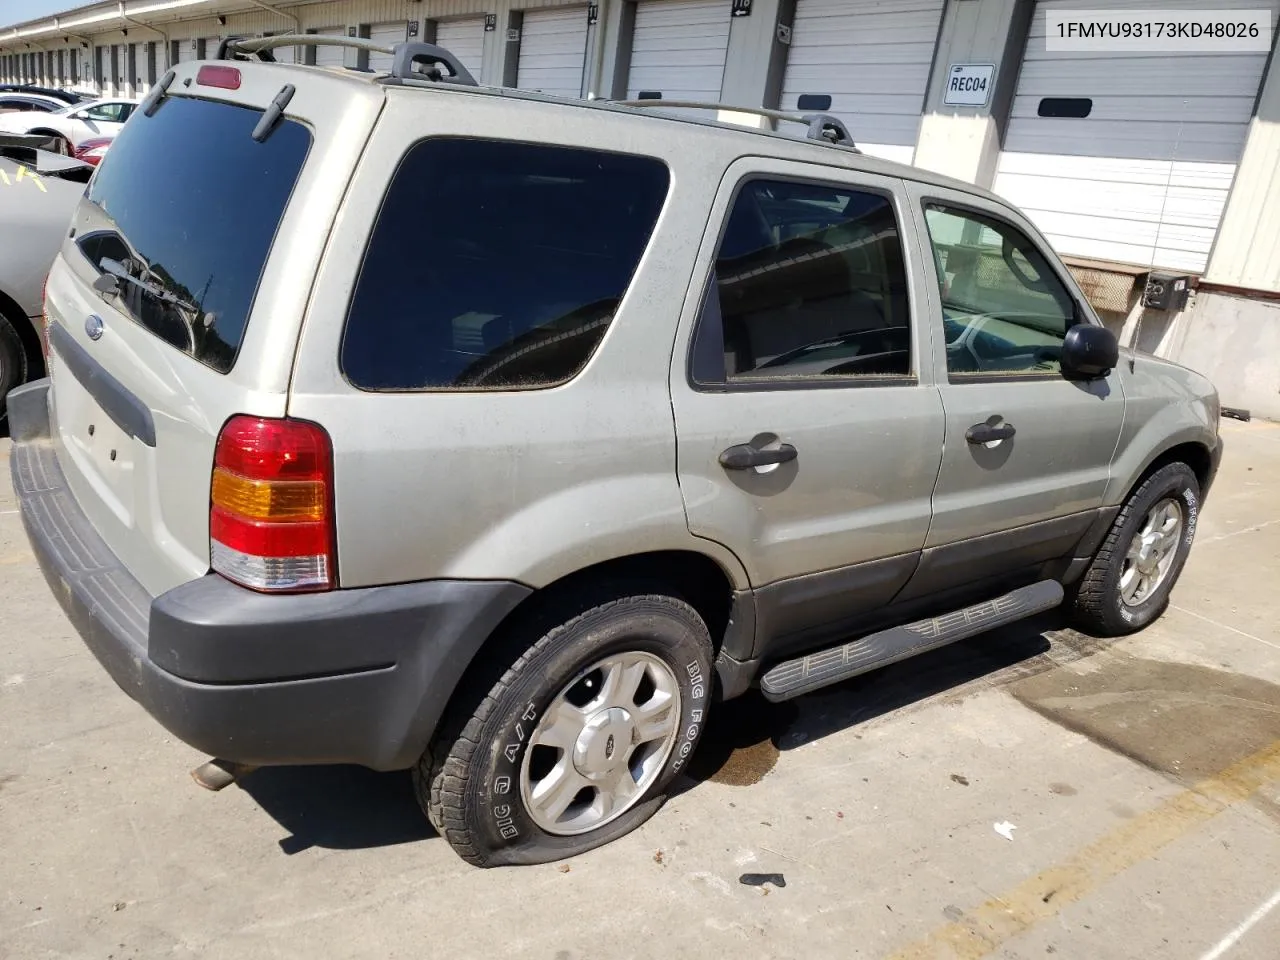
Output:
[[1128, 583], [576, 743], [13, 363], [60, 144]]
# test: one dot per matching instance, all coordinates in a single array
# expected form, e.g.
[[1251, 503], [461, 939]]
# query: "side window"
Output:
[[497, 265], [809, 283], [106, 113], [1004, 310]]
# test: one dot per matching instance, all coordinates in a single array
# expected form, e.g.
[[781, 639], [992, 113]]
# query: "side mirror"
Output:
[[78, 115], [1089, 352]]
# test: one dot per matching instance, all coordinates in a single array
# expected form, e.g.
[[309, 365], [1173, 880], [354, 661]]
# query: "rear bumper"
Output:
[[350, 676]]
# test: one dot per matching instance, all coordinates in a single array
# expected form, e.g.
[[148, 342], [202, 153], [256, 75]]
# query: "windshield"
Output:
[[182, 214]]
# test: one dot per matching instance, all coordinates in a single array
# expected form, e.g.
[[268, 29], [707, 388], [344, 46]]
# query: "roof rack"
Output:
[[405, 56], [821, 126]]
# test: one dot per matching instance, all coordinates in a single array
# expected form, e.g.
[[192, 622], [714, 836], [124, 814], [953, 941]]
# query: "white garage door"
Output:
[[678, 48], [1144, 176], [465, 40], [330, 56], [553, 48], [387, 35], [138, 70], [872, 57]]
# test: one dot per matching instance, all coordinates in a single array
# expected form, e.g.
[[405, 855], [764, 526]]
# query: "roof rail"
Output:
[[821, 126], [405, 56]]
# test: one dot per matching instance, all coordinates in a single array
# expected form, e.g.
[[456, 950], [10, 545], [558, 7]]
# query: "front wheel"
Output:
[[576, 744], [1128, 583]]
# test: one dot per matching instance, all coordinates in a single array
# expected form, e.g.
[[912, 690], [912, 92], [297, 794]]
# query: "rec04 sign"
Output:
[[969, 84]]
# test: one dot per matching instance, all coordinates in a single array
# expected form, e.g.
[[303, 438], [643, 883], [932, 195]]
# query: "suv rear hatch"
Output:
[[177, 298]]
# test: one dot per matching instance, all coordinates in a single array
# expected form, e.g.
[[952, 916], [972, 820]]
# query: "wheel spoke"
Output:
[[655, 718], [553, 793], [629, 683], [560, 726]]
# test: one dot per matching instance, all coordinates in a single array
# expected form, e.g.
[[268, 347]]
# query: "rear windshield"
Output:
[[187, 205], [497, 265]]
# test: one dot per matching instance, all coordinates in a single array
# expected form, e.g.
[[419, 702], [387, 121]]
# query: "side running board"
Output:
[[794, 677]]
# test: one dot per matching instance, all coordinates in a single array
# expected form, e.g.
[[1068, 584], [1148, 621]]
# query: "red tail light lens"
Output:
[[228, 78], [271, 516]]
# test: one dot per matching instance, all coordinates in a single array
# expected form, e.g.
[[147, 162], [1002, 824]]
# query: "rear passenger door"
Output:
[[1028, 453], [809, 430]]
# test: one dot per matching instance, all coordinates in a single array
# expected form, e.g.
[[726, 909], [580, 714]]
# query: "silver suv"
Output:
[[401, 422]]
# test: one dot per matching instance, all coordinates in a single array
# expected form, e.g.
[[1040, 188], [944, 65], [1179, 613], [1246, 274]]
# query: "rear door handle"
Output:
[[987, 433], [744, 456]]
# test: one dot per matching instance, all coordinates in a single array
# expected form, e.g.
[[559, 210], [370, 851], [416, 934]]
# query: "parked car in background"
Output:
[[93, 150], [38, 193], [28, 103], [54, 93], [74, 123]]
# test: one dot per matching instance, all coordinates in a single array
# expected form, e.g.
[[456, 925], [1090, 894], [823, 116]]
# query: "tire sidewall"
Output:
[[13, 362], [1175, 481], [493, 806]]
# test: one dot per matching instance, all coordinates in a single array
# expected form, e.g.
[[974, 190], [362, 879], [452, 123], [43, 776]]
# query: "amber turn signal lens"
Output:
[[269, 499]]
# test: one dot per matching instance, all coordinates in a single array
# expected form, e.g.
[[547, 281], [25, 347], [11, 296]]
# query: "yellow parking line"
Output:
[[986, 928]]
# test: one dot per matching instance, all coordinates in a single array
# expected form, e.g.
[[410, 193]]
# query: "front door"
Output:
[[809, 430], [1028, 452]]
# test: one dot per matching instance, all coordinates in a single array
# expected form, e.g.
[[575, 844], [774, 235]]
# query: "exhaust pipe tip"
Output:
[[218, 774]]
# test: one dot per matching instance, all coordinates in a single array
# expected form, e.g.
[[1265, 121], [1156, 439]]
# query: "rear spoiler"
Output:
[[406, 57]]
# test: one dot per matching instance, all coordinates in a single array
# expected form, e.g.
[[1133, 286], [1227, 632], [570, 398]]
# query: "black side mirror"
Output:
[[1089, 352]]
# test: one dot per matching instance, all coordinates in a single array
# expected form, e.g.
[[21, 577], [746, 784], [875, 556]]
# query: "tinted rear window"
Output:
[[189, 203], [497, 265]]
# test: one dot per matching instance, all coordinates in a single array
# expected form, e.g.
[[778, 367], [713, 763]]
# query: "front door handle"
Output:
[[988, 433], [744, 456]]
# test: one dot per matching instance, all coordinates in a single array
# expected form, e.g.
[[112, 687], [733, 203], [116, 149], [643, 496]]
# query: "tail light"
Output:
[[92, 151], [271, 516]]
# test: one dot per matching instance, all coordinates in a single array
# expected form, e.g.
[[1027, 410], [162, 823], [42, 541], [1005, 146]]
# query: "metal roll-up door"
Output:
[[330, 56], [553, 51], [872, 57], [678, 48], [1129, 156], [139, 76], [387, 35], [465, 40]]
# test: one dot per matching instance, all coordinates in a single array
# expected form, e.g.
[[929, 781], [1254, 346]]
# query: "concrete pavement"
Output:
[[1142, 780]]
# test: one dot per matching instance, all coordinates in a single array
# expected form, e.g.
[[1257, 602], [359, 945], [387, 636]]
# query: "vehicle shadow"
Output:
[[347, 808], [338, 807], [744, 737]]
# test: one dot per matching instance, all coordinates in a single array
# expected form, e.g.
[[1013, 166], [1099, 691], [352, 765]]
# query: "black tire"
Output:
[[468, 780], [13, 363], [60, 144], [1098, 607]]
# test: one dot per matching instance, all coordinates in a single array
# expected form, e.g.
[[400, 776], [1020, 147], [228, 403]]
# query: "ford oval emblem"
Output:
[[93, 326]]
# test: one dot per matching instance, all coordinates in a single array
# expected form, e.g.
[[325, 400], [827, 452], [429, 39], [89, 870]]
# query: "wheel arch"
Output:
[[694, 577], [27, 331]]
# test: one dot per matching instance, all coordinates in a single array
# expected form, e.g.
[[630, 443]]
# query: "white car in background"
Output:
[[74, 123]]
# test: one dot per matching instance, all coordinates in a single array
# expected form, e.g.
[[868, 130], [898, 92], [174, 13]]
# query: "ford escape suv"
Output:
[[396, 421]]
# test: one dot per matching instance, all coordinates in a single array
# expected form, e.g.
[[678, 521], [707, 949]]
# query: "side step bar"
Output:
[[804, 674]]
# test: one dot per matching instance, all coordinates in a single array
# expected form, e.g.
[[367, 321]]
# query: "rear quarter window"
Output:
[[497, 265], [189, 204]]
